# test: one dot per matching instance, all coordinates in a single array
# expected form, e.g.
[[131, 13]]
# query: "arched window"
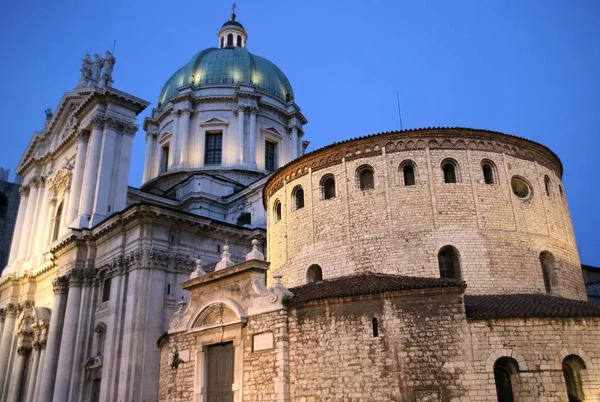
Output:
[[297, 198], [366, 180], [572, 366], [547, 185], [314, 274], [100, 331], [450, 169], [164, 159], [490, 174], [239, 41], [328, 187], [106, 290], [505, 374], [57, 219], [222, 41], [449, 263], [277, 211], [548, 264], [408, 173], [3, 206], [244, 219], [375, 327], [230, 40]]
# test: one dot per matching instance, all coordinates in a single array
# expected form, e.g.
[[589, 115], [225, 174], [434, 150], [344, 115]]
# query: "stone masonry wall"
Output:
[[399, 229], [419, 353], [539, 346]]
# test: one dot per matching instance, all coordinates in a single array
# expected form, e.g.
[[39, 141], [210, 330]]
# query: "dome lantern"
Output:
[[232, 34]]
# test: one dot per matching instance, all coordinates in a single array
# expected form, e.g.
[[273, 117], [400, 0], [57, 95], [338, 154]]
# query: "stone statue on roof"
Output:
[[96, 69], [107, 69], [86, 72]]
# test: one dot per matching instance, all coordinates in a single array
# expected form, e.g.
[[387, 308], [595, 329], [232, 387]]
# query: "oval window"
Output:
[[520, 187]]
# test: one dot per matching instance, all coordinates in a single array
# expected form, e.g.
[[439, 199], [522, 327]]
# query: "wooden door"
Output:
[[219, 365]]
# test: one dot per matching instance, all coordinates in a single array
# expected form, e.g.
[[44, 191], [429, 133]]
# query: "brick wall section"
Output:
[[398, 229], [334, 356], [539, 345], [10, 191], [177, 385]]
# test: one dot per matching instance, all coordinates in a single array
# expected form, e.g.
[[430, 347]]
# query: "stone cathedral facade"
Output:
[[422, 265]]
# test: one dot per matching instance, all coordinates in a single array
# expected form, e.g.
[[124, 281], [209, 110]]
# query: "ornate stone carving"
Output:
[[24, 191], [24, 350], [86, 72], [98, 121], [60, 285], [83, 136], [76, 277], [2, 314], [278, 292], [130, 128], [89, 276], [11, 310]]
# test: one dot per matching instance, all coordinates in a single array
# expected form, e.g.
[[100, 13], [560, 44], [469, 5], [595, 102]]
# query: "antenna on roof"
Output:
[[114, 44], [399, 111]]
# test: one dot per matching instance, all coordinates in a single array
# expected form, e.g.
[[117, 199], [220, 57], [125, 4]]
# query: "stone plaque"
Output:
[[262, 341]]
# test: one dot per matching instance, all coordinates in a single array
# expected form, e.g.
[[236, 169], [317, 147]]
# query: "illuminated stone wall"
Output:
[[399, 229]]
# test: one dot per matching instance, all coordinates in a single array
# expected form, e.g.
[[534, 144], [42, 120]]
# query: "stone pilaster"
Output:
[[92, 162], [174, 145], [251, 159], [184, 135], [78, 173], [240, 134], [6, 341], [60, 286], [14, 247], [102, 199], [25, 240], [69, 336], [43, 219], [35, 365], [17, 373], [151, 155], [294, 133]]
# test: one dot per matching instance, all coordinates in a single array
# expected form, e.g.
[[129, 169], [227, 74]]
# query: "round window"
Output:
[[520, 187]]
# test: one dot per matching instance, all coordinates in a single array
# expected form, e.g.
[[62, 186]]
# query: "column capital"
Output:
[[35, 181], [296, 127], [129, 128], [151, 135], [176, 112], [24, 350], [60, 285], [76, 277], [83, 136], [37, 345], [88, 277], [98, 121], [2, 314], [24, 190], [27, 304], [241, 108], [11, 310], [187, 110], [253, 110]]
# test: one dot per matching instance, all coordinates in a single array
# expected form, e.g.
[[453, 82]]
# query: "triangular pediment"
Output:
[[214, 121], [273, 131]]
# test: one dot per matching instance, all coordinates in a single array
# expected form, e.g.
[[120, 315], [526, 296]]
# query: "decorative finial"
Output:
[[225, 260], [255, 254], [233, 12], [181, 304], [199, 271]]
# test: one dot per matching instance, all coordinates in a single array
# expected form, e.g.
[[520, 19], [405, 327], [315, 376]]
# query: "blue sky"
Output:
[[524, 67]]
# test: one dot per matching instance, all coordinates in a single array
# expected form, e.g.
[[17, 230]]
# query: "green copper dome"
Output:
[[228, 67]]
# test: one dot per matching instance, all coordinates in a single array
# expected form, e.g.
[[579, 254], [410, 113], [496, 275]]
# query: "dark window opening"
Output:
[[548, 264], [230, 40], [314, 274], [239, 41], [222, 41], [505, 370], [288, 97], [488, 173], [375, 328], [448, 262], [106, 290], [547, 185], [298, 198], [3, 206], [571, 367], [408, 171], [366, 179], [164, 159], [328, 185], [277, 211], [218, 248], [168, 289], [244, 219], [213, 148], [269, 156], [449, 172], [57, 219]]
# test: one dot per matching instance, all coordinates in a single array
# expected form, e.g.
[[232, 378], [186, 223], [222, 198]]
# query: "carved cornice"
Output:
[[60, 285]]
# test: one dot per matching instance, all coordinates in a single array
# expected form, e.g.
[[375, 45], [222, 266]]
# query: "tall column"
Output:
[[105, 170], [150, 156], [173, 147], [80, 347], [7, 341], [69, 336], [240, 134], [16, 374], [90, 174], [42, 221], [184, 136], [120, 200], [294, 142], [252, 143], [28, 223], [77, 180], [38, 376], [37, 352], [60, 286], [50, 224], [300, 151], [16, 240], [2, 317]]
